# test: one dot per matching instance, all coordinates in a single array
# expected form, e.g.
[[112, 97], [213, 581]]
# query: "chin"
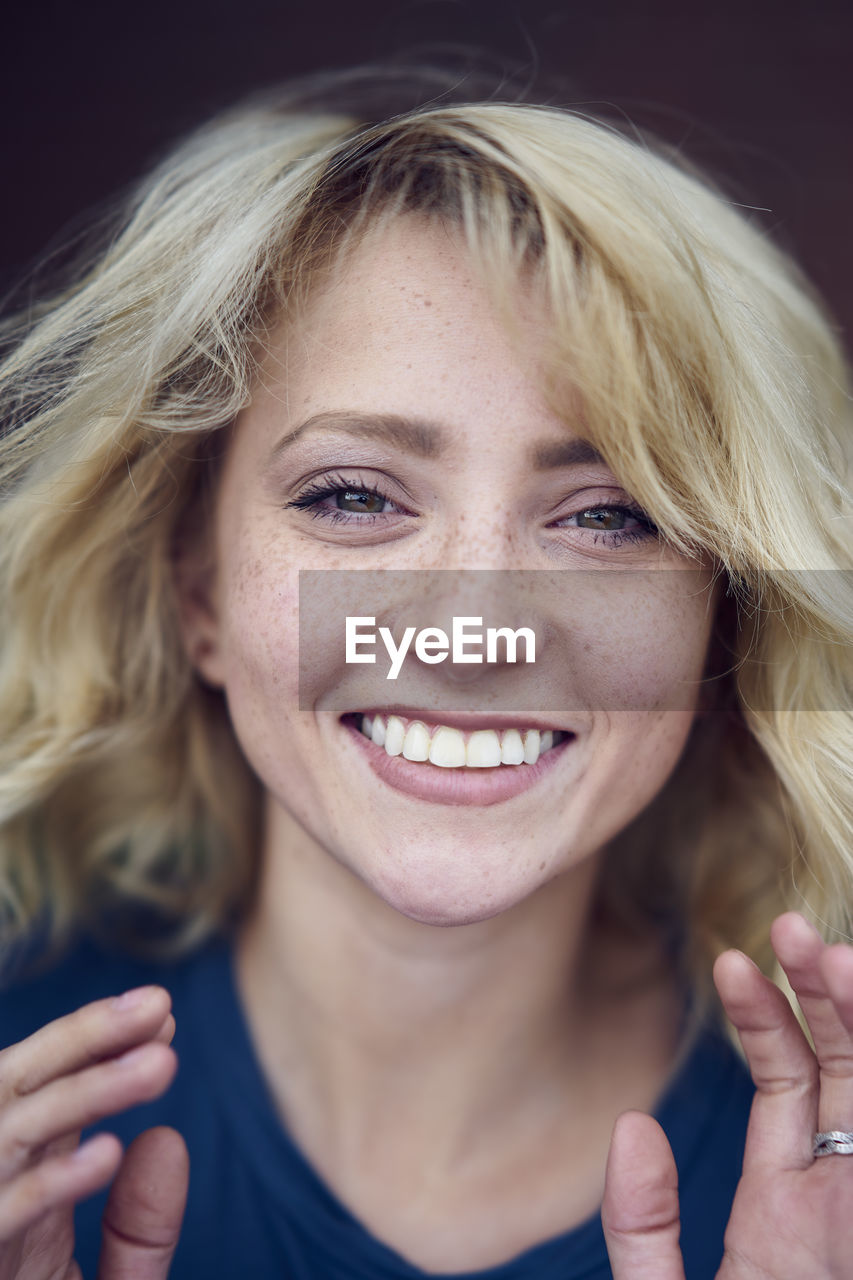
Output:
[[446, 901]]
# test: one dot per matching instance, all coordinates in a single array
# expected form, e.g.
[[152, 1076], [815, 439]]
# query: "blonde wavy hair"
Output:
[[711, 382]]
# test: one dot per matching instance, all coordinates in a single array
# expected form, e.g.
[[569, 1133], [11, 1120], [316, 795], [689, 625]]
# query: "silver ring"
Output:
[[834, 1143]]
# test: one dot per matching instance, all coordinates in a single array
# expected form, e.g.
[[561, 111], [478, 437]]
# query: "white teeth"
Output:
[[512, 748], [447, 748], [394, 736], [483, 750], [416, 741]]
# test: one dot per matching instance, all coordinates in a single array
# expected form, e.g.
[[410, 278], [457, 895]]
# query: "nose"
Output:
[[487, 537], [490, 617]]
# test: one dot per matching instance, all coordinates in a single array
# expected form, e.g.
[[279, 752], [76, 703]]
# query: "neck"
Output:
[[373, 1027]]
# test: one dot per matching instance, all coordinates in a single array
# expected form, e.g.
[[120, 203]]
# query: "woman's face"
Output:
[[399, 428]]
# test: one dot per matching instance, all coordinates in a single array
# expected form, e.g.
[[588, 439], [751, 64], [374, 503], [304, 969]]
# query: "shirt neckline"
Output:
[[686, 1108]]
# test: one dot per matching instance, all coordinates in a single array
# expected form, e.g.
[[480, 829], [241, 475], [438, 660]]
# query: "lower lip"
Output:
[[430, 782]]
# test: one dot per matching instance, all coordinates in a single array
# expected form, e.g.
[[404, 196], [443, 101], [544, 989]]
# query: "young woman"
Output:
[[417, 952]]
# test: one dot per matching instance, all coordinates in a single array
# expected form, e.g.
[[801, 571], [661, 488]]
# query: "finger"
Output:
[[802, 954], [837, 969], [142, 1220], [166, 1034], [57, 1182], [639, 1212], [783, 1067], [88, 1035], [73, 1102]]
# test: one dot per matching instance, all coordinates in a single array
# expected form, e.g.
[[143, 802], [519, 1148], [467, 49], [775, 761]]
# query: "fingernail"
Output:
[[807, 924], [130, 1058], [132, 999], [87, 1150], [749, 960]]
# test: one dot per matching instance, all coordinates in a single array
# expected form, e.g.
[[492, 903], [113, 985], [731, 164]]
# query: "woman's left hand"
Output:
[[792, 1217]]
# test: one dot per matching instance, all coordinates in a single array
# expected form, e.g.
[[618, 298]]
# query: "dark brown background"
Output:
[[757, 91]]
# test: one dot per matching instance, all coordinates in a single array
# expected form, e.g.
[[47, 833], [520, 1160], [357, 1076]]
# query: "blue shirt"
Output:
[[257, 1208]]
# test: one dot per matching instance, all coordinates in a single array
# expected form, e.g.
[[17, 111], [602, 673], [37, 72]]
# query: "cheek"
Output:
[[259, 636], [629, 757], [638, 643], [637, 662], [642, 750]]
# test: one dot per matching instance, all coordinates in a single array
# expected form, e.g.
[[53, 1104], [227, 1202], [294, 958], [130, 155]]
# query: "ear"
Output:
[[194, 579]]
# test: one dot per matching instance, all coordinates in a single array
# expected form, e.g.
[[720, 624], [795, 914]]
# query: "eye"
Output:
[[341, 500], [366, 500], [611, 524], [606, 519]]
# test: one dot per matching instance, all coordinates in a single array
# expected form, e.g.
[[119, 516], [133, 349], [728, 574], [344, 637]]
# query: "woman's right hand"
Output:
[[102, 1059]]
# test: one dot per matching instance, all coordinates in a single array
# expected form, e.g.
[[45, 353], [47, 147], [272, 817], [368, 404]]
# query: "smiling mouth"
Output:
[[450, 748]]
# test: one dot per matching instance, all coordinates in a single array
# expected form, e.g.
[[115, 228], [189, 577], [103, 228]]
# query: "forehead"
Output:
[[406, 305]]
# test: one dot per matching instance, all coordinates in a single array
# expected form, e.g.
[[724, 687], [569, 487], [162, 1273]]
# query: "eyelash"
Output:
[[313, 494]]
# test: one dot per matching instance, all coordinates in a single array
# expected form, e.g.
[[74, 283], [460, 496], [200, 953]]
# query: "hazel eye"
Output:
[[614, 525], [346, 500], [606, 519], [359, 500]]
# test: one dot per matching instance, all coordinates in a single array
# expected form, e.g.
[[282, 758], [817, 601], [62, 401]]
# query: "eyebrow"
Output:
[[565, 453], [427, 439], [421, 438]]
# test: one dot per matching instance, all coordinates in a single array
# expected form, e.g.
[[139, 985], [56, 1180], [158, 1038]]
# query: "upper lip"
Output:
[[461, 719]]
